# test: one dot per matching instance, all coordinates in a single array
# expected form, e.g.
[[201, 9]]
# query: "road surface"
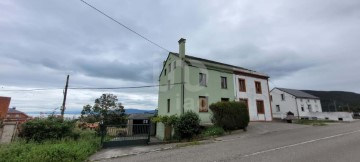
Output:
[[335, 142]]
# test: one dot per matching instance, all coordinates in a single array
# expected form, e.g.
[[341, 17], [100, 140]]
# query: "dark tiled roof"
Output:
[[210, 61], [140, 116], [14, 111], [298, 93]]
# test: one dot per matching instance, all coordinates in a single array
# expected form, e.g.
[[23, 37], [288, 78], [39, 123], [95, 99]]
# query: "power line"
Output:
[[128, 28], [90, 88]]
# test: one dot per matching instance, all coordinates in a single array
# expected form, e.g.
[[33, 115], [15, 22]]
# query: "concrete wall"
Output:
[[252, 96], [330, 115], [8, 132]]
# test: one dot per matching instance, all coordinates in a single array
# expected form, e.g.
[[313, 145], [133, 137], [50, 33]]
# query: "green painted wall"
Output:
[[213, 90], [193, 90]]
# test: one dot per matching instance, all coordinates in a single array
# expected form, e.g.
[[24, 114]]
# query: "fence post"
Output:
[[102, 131], [149, 131]]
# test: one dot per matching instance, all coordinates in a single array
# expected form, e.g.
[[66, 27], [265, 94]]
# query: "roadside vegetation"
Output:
[[51, 140], [226, 117], [312, 122]]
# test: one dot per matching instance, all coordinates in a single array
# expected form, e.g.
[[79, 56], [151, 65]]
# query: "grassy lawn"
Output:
[[51, 150], [313, 122]]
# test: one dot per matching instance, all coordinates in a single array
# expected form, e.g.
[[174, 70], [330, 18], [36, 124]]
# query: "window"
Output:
[[202, 79], [302, 108], [17, 115], [223, 82], [245, 101], [203, 104], [224, 99], [169, 67], [309, 107], [278, 108], [242, 86], [174, 64], [300, 100], [260, 106], [165, 72], [283, 97], [168, 84], [168, 105], [308, 100], [258, 87]]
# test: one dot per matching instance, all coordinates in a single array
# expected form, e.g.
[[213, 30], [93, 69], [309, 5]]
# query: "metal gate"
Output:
[[124, 135]]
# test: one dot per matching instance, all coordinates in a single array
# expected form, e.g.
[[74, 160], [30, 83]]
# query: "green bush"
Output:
[[49, 128], [51, 150], [188, 125], [213, 131], [230, 115]]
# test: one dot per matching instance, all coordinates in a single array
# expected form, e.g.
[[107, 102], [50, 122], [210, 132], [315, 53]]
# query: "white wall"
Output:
[[331, 115], [289, 104], [252, 96], [304, 102]]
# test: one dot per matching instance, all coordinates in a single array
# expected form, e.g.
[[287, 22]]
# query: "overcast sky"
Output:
[[301, 44]]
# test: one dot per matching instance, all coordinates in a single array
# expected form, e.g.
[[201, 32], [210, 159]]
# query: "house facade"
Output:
[[192, 83], [298, 102], [14, 115]]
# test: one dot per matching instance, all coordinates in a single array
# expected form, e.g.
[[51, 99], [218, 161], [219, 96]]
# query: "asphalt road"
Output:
[[336, 142]]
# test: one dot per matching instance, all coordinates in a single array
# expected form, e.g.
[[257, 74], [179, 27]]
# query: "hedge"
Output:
[[230, 115]]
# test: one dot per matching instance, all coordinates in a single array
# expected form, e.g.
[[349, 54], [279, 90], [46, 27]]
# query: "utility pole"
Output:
[[64, 100]]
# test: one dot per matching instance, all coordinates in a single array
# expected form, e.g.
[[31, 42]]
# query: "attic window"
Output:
[[169, 67], [165, 72], [283, 97]]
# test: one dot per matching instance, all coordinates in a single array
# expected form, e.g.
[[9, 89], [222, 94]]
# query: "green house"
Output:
[[192, 83]]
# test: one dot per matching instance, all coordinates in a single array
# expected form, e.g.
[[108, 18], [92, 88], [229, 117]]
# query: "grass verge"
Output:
[[51, 150], [312, 122]]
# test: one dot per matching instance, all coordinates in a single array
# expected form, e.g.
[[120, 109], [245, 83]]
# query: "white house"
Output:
[[298, 102]]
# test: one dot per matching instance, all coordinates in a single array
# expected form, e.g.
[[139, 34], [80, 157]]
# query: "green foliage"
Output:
[[213, 131], [312, 122], [41, 129], [344, 101], [51, 150], [188, 125], [106, 107], [230, 115], [166, 120]]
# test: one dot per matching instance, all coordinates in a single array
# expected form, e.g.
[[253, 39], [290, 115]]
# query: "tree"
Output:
[[106, 108]]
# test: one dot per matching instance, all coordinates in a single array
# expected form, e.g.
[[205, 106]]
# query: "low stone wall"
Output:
[[336, 116]]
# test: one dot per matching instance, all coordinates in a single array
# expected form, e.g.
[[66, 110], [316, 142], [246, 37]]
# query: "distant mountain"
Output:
[[343, 101], [138, 111], [78, 112]]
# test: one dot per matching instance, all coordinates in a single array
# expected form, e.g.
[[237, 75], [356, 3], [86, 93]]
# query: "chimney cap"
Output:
[[182, 40]]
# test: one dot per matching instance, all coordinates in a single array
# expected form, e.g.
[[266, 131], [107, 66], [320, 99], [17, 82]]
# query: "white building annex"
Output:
[[295, 101]]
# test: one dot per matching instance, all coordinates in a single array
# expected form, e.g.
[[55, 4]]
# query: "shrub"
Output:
[[188, 125], [166, 120], [230, 115], [49, 128], [213, 131]]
